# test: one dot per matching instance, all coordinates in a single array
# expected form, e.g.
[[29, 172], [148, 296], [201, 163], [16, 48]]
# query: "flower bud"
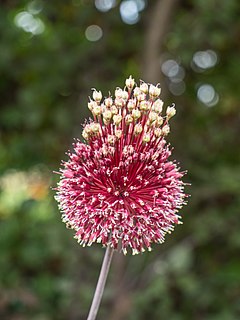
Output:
[[144, 87], [131, 104], [118, 93], [124, 95], [136, 114], [144, 105], [166, 130], [154, 91], [95, 127], [107, 115], [111, 139], [108, 102], [159, 121], [117, 118], [114, 109], [157, 132], [97, 110], [157, 106], [97, 95], [91, 105], [119, 102], [152, 116], [138, 129], [128, 119], [146, 137], [171, 111], [118, 133], [130, 82]]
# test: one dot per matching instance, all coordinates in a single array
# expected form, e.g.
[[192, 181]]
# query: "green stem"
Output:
[[101, 284]]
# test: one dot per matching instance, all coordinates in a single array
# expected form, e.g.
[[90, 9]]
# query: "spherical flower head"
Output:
[[119, 187]]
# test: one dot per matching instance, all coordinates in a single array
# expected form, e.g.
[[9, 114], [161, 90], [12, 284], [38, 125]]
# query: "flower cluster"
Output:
[[119, 188]]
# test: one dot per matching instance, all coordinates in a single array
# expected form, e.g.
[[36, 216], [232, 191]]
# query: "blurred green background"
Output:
[[51, 54]]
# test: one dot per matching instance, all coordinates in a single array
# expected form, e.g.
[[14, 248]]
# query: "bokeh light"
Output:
[[93, 33], [129, 12], [203, 60], [105, 5], [207, 95], [28, 23]]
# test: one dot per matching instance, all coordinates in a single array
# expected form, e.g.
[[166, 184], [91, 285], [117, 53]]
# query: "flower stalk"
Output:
[[101, 284]]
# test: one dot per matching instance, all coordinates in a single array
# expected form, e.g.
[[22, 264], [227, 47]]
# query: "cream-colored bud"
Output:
[[130, 82], [157, 106], [137, 92], [95, 127], [85, 134], [117, 118], [138, 128], [97, 110], [165, 130], [158, 132], [146, 137], [97, 95], [131, 104], [128, 119], [171, 111], [119, 102], [124, 95], [114, 109], [118, 93], [108, 102], [136, 114], [91, 105], [152, 116], [107, 115], [118, 133], [111, 139], [88, 129], [154, 91], [144, 105], [159, 121], [141, 97], [144, 87]]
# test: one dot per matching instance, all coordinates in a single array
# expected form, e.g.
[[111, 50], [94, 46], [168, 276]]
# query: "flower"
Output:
[[119, 188]]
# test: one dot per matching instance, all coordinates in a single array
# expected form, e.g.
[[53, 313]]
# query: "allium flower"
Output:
[[119, 188]]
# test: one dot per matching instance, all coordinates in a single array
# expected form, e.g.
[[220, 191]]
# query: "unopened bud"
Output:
[[97, 110], [111, 139], [124, 95], [107, 115], [119, 102], [97, 95], [108, 102], [118, 133], [144, 105], [144, 87], [95, 127], [146, 137], [159, 121], [171, 111], [152, 116], [117, 118], [136, 114], [91, 105], [118, 93], [128, 119], [114, 110], [157, 106], [158, 132], [154, 91], [130, 82], [131, 104], [166, 130], [138, 128]]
